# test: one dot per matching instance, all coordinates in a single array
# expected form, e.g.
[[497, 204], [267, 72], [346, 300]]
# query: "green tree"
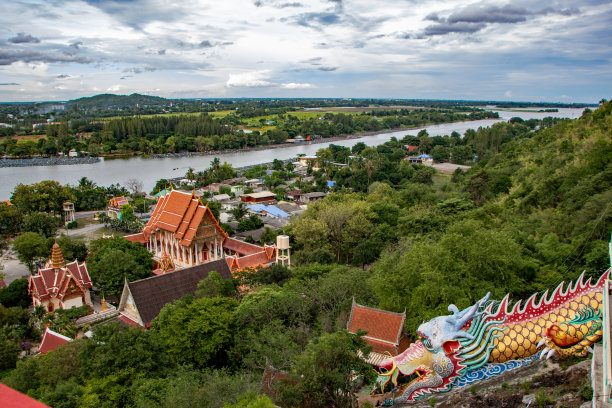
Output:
[[30, 247], [46, 196], [326, 371], [9, 352], [15, 294], [116, 259], [41, 223], [197, 332], [252, 400], [239, 211], [214, 285], [10, 220]]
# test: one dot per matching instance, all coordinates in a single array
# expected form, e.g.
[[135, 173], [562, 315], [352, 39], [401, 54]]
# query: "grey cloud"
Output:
[[285, 5], [23, 38], [161, 52], [307, 19], [258, 3], [8, 84], [7, 58], [63, 76], [76, 44], [327, 69], [432, 17], [205, 44], [138, 13], [140, 70], [489, 14], [462, 27], [312, 61]]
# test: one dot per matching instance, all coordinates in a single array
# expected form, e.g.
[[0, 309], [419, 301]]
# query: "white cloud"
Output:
[[252, 79], [293, 85], [508, 94]]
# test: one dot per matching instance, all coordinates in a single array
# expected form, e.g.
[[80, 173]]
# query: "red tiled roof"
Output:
[[14, 399], [180, 213], [243, 248], [2, 283], [381, 325], [128, 321], [46, 284], [51, 340], [382, 347]]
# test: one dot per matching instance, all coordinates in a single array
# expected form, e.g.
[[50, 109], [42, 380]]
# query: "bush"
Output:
[[72, 225]]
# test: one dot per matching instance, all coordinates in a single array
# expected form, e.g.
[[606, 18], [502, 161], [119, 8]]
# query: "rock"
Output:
[[529, 399]]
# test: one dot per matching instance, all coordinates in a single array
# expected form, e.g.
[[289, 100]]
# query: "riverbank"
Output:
[[47, 161], [58, 161]]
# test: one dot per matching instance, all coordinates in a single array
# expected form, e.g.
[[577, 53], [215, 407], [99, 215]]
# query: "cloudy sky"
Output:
[[558, 50]]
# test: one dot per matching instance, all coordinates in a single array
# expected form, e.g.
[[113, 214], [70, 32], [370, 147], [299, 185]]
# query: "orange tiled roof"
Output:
[[136, 238], [241, 247], [381, 325], [14, 399], [181, 214], [250, 261]]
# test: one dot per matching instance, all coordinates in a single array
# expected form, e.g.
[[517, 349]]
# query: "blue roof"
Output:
[[270, 209], [425, 156], [331, 183]]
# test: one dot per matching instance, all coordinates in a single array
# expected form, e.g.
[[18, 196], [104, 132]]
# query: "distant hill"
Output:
[[105, 101]]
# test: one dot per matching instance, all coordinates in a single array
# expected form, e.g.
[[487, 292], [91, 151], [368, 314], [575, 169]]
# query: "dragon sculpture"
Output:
[[488, 339]]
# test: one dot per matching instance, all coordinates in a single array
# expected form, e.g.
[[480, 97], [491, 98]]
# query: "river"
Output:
[[149, 170]]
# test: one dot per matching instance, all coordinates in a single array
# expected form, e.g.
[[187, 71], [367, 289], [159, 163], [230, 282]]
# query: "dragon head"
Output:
[[430, 364]]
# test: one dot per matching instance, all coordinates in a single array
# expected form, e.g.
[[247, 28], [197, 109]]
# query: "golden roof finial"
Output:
[[57, 259]]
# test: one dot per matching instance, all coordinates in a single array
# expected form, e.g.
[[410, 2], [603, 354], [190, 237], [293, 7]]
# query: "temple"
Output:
[[60, 286], [182, 232], [384, 331], [141, 301]]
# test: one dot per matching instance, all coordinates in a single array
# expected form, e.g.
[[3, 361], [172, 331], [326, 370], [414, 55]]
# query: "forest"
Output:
[[532, 211]]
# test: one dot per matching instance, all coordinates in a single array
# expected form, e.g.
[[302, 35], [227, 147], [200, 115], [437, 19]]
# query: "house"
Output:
[[424, 159], [289, 208], [73, 153], [60, 286], [141, 301], [220, 198], [258, 259], [384, 331], [259, 197], [307, 198], [308, 160], [292, 195], [267, 210], [254, 183], [51, 340], [411, 148]]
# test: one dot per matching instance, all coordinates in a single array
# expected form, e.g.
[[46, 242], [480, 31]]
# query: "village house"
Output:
[[60, 286], [262, 197], [308, 198], [423, 159]]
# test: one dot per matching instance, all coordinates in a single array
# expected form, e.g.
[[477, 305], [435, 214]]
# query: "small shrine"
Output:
[[51, 340], [59, 285], [384, 331]]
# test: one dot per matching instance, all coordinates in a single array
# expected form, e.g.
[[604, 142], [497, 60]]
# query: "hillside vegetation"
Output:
[[535, 210]]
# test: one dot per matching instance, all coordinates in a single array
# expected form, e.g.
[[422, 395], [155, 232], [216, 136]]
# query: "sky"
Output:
[[521, 50]]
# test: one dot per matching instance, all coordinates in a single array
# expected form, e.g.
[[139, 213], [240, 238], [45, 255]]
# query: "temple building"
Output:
[[384, 331], [182, 232], [59, 285], [141, 301]]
